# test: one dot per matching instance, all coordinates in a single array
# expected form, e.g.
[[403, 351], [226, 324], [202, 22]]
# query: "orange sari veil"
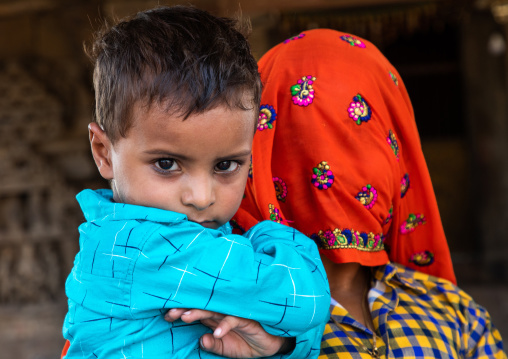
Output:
[[337, 156]]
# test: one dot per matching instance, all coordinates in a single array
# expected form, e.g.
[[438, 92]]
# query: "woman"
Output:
[[337, 156]]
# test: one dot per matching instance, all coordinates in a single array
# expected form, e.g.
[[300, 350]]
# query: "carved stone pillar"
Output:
[[36, 202]]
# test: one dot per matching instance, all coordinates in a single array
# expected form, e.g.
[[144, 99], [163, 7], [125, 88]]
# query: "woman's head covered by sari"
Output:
[[337, 156]]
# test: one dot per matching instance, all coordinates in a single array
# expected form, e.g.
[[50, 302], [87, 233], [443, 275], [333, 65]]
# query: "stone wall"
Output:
[[45, 105]]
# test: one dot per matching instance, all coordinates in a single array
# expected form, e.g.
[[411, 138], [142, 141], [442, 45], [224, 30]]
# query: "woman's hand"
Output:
[[233, 337]]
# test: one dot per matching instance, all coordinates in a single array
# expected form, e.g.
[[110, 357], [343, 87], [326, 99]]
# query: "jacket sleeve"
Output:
[[272, 274]]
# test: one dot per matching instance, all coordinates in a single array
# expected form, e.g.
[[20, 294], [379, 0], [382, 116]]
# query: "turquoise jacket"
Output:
[[137, 262]]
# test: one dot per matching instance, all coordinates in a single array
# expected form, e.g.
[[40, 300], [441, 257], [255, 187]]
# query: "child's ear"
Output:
[[101, 150]]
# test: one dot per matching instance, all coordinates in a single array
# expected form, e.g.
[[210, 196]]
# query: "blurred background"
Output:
[[451, 55]]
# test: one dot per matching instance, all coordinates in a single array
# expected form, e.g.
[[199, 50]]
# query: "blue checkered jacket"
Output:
[[136, 262]]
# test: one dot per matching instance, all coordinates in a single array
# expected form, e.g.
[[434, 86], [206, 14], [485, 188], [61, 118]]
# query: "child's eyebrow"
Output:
[[234, 155], [165, 154]]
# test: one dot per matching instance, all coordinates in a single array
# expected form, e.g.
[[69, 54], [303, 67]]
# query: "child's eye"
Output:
[[227, 166], [166, 165]]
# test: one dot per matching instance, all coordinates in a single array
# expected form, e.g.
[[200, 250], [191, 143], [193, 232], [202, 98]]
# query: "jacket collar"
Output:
[[393, 273], [99, 205]]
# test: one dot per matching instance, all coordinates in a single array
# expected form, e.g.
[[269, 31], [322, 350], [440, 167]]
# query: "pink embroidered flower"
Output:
[[353, 41], [423, 258], [322, 177], [392, 141], [413, 221], [367, 196], [281, 190], [266, 117], [274, 213], [303, 92], [359, 110]]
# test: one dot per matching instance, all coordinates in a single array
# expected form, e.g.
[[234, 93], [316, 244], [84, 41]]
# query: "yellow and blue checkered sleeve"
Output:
[[484, 340]]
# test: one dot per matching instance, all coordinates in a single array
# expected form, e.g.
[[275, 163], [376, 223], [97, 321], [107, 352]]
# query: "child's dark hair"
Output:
[[181, 57]]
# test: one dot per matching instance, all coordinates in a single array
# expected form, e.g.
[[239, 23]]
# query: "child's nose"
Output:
[[199, 193]]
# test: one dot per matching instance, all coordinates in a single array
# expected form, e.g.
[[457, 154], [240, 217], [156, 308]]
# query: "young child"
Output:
[[177, 98]]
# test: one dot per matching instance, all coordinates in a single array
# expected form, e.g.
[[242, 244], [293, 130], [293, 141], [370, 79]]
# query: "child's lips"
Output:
[[207, 224]]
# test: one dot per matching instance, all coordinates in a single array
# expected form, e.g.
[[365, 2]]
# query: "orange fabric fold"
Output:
[[65, 349]]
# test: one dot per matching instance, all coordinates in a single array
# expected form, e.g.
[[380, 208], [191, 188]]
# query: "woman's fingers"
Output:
[[211, 344], [174, 314], [191, 315], [226, 324]]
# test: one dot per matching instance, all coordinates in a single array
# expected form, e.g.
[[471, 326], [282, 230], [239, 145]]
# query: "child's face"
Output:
[[198, 166]]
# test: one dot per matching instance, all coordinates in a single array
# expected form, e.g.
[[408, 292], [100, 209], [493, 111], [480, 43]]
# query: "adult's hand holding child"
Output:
[[233, 337]]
